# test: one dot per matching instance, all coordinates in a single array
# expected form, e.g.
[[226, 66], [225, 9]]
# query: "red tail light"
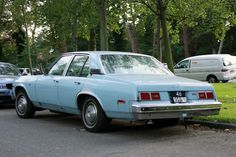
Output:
[[210, 95], [149, 96], [155, 96], [202, 95], [206, 95], [145, 96]]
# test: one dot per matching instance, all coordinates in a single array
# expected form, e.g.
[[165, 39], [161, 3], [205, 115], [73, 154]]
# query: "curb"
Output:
[[216, 125]]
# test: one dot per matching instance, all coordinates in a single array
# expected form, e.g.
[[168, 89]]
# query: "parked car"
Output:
[[8, 73], [212, 68], [26, 71], [36, 71], [101, 86]]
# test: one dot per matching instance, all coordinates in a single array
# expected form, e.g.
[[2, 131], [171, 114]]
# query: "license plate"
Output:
[[178, 97]]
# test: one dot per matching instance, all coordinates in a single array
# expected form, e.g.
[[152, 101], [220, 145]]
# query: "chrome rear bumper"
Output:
[[143, 112]]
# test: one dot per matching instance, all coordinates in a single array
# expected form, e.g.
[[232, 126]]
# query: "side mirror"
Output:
[[96, 71]]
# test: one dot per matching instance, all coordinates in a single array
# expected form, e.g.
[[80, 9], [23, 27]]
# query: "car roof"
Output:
[[209, 56], [103, 52], [5, 63]]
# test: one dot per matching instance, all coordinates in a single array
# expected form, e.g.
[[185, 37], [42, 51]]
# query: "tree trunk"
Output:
[[132, 38], [221, 45], [2, 5], [103, 25], [92, 39], [27, 37], [63, 45], [74, 33], [186, 41], [157, 39], [1, 49], [53, 37], [28, 49], [166, 39]]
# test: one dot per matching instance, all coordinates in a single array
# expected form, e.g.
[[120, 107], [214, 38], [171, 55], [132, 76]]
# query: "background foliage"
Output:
[[43, 29]]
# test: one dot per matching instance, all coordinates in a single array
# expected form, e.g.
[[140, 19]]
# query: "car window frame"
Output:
[[87, 60], [55, 62], [189, 64]]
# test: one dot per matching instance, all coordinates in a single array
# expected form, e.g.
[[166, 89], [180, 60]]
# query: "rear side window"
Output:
[[79, 66]]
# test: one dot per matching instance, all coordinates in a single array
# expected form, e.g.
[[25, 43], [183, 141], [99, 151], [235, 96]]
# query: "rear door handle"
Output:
[[78, 83], [56, 81]]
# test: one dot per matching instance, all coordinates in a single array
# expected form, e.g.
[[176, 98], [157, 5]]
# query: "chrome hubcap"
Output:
[[22, 105], [90, 114]]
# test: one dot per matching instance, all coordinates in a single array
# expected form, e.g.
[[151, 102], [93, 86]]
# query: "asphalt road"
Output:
[[57, 135]]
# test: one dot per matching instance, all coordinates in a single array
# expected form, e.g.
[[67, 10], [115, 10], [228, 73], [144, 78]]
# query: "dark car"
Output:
[[8, 73]]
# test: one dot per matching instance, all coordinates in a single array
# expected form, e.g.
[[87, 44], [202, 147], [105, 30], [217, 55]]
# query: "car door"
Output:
[[46, 86], [71, 85], [182, 69]]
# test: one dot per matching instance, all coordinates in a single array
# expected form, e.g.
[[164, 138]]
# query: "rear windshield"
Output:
[[228, 61], [132, 64]]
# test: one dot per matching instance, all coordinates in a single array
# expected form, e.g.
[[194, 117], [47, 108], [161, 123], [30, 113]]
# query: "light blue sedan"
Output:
[[101, 86]]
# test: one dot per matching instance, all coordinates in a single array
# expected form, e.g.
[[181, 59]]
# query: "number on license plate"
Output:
[[179, 99]]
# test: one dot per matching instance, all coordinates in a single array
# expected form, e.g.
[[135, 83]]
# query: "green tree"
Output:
[[24, 14]]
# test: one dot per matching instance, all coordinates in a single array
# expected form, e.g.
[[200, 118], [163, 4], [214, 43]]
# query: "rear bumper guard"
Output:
[[141, 112]]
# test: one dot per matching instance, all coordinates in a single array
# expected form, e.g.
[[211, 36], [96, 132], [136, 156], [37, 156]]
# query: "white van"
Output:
[[212, 68]]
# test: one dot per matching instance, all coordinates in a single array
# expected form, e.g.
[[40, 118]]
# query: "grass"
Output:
[[226, 93]]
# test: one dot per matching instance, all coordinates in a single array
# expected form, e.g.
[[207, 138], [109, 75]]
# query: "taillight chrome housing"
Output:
[[206, 95], [147, 96]]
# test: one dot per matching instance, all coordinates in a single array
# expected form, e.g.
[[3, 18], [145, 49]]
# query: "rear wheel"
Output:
[[212, 79], [93, 116], [166, 122], [24, 107], [224, 81]]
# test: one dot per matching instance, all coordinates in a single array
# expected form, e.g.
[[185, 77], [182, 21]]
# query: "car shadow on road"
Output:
[[145, 131], [4, 106], [117, 128]]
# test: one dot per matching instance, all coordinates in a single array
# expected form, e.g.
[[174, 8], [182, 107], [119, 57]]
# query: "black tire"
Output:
[[93, 116], [212, 79], [225, 81], [24, 107], [166, 122]]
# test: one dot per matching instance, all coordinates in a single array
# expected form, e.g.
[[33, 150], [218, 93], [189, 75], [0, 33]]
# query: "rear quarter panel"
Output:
[[108, 93]]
